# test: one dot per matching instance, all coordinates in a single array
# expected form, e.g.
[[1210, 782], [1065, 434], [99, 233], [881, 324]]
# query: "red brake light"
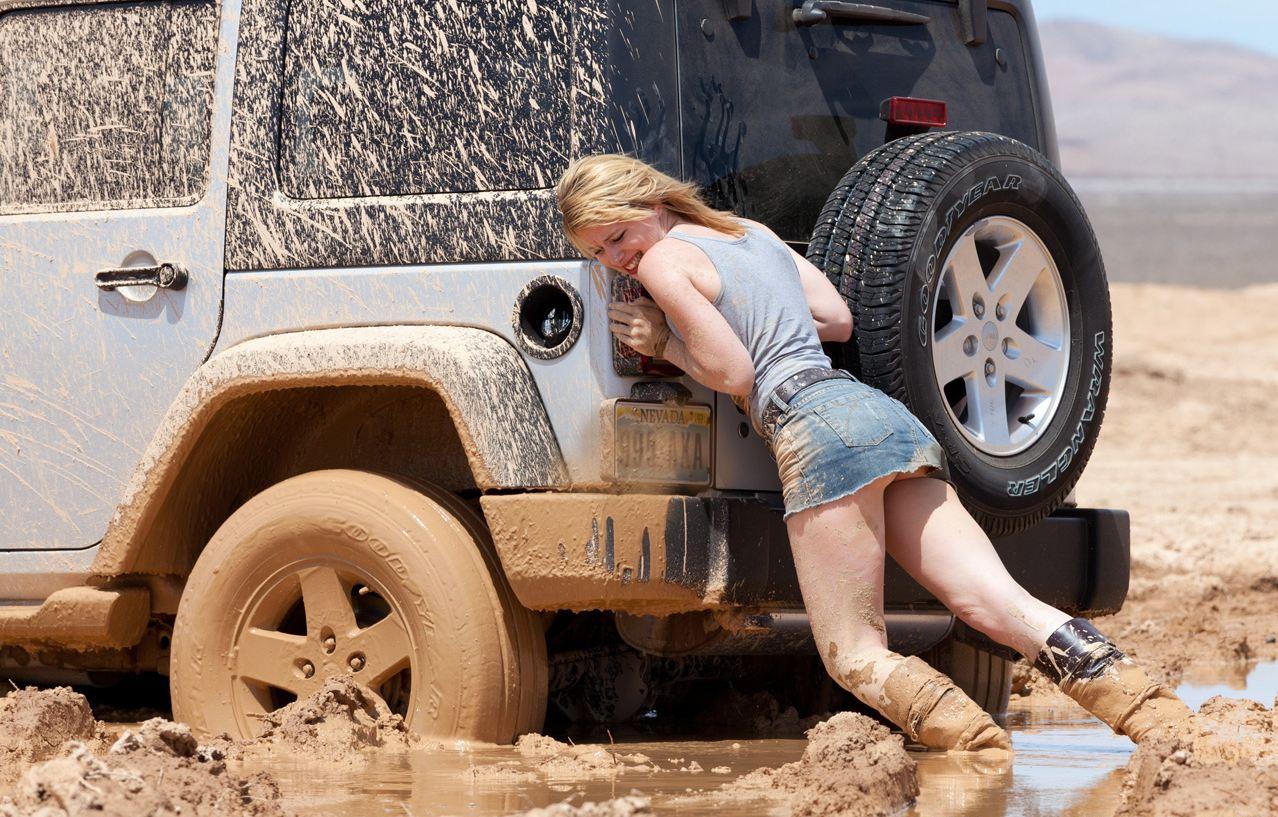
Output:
[[906, 110]]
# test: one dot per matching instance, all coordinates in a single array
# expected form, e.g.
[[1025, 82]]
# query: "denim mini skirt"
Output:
[[837, 436]]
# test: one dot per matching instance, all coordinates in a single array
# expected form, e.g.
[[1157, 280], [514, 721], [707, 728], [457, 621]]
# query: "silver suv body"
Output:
[[245, 240]]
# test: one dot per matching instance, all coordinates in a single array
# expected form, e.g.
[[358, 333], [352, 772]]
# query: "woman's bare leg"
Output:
[[838, 554], [932, 536]]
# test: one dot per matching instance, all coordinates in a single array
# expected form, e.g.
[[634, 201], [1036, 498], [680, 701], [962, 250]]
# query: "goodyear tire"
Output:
[[980, 301], [347, 572]]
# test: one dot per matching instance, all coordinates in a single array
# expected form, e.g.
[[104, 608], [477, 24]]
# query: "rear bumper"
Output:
[[658, 555]]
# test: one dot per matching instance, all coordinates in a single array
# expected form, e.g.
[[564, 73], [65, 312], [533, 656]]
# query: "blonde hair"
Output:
[[611, 188]]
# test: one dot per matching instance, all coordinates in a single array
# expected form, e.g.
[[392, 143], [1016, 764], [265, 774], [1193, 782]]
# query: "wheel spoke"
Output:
[[1033, 374], [268, 657], [990, 410], [948, 357], [1031, 378], [1019, 265], [386, 650], [965, 272], [1036, 366], [327, 602]]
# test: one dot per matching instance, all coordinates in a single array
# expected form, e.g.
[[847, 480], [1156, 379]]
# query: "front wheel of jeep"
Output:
[[353, 573]]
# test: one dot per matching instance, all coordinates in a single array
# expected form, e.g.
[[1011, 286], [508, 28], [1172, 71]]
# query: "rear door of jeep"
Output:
[[775, 110]]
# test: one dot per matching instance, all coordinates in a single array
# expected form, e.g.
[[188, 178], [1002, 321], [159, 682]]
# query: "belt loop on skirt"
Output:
[[786, 391]]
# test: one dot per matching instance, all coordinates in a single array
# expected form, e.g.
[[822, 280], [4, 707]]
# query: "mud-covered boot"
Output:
[[1089, 668], [935, 713]]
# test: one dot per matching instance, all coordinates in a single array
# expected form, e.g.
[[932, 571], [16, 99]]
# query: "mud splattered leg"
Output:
[[934, 539], [838, 553], [1089, 668]]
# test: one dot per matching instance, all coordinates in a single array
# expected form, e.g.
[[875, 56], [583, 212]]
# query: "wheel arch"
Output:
[[455, 406]]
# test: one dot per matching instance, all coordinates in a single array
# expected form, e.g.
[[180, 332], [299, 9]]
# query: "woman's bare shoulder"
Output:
[[670, 252]]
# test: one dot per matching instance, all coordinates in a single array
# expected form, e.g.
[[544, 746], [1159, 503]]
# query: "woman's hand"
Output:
[[640, 324]]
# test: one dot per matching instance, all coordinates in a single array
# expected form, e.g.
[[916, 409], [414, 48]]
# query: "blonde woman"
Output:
[[742, 313]]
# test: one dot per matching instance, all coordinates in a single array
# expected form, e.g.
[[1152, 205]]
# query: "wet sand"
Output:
[[1066, 763]]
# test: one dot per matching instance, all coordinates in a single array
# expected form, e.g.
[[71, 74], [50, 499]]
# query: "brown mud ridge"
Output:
[[852, 767], [336, 723], [55, 759], [1222, 761], [157, 769], [34, 724], [554, 760]]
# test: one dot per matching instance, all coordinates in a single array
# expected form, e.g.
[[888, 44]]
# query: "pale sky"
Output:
[[1251, 23]]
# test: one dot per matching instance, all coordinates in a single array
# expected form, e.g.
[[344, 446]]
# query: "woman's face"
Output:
[[620, 246]]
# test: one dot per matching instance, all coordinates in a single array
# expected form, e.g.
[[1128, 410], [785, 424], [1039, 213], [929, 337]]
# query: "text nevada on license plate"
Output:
[[662, 444]]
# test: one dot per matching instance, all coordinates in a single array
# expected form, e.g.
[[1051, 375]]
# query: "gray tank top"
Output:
[[762, 300]]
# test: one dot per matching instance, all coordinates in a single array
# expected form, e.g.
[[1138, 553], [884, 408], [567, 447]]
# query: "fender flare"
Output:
[[484, 383]]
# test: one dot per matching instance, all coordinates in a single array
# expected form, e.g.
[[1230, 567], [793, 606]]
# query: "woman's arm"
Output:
[[829, 310], [710, 351]]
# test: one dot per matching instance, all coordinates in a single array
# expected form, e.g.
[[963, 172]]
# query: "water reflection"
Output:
[[1257, 682], [1066, 764], [1062, 756]]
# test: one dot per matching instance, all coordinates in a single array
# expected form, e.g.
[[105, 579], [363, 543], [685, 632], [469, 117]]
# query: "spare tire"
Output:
[[980, 301]]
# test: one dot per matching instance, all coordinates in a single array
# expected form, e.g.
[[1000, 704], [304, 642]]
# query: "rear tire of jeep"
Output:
[[347, 572], [985, 677], [980, 301]]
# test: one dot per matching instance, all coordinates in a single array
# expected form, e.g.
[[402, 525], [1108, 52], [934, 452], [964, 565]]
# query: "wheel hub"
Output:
[[310, 626], [1002, 399], [989, 336]]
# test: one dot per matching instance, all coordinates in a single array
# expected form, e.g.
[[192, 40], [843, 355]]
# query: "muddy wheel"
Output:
[[986, 678], [346, 572]]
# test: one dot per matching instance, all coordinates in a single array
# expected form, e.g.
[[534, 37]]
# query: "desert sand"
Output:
[[1189, 447]]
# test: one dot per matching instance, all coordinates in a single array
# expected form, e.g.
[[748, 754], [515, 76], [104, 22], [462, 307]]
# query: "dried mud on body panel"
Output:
[[107, 106], [484, 384], [440, 115], [641, 553], [584, 552], [451, 141]]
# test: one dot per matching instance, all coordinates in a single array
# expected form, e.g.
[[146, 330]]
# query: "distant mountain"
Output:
[[1132, 104]]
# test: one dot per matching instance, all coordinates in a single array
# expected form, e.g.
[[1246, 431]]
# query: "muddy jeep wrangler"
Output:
[[299, 377]]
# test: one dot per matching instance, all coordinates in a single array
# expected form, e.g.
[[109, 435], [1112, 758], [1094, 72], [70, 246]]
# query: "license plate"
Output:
[[656, 443]]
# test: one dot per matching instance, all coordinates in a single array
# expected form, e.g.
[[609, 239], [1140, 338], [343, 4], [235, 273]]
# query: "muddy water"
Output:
[[1066, 764]]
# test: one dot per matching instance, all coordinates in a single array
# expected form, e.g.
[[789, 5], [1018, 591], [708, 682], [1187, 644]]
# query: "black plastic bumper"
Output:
[[1078, 559], [661, 554]]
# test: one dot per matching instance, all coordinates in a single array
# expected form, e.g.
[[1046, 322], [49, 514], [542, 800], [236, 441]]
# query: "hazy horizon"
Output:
[[1244, 23]]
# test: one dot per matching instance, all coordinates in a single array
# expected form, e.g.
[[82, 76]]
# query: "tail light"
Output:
[[912, 112], [626, 361]]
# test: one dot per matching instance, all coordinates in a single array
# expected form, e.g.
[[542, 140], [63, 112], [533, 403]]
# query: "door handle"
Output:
[[819, 11], [164, 276]]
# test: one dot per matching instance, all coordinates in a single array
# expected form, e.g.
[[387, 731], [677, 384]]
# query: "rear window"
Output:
[[390, 98], [105, 106]]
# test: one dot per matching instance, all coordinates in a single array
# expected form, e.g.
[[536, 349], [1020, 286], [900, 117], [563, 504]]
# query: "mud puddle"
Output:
[[1066, 763]]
